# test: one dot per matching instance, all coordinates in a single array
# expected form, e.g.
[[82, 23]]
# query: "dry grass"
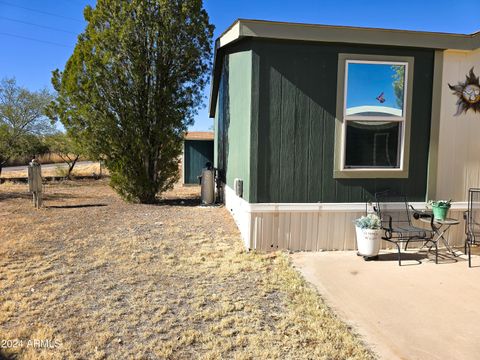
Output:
[[167, 281], [59, 170]]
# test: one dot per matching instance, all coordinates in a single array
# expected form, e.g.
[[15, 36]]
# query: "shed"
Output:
[[197, 151], [315, 119]]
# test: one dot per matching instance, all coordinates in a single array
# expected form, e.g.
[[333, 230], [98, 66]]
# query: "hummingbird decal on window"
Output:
[[381, 98]]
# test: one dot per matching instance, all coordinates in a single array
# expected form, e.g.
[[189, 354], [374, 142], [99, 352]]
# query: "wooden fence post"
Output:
[[35, 182]]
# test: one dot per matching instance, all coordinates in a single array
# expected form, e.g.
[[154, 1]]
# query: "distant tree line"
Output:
[[25, 129]]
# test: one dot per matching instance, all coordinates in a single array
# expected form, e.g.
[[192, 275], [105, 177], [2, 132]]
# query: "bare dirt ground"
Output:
[[92, 277]]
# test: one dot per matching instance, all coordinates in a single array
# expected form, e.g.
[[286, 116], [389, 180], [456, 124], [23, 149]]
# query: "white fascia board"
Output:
[[344, 34], [232, 34]]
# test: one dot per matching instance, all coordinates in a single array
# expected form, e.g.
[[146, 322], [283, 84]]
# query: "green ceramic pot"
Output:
[[440, 212]]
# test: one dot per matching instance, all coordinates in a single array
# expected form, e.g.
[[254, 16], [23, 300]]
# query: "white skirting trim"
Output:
[[239, 208], [349, 207], [307, 226]]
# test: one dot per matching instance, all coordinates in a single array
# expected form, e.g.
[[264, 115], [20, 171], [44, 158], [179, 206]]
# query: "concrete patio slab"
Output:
[[421, 310]]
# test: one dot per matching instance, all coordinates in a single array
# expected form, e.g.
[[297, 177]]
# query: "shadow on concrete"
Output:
[[419, 257], [413, 258]]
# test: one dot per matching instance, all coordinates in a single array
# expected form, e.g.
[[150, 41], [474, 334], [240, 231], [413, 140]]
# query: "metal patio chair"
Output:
[[396, 216], [472, 223]]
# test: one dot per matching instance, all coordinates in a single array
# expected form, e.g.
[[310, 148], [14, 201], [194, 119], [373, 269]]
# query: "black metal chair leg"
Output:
[[469, 254], [399, 254], [436, 253]]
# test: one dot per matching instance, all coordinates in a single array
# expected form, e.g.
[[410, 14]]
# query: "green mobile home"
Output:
[[313, 120]]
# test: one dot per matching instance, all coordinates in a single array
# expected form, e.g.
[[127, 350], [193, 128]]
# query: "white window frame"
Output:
[[340, 170]]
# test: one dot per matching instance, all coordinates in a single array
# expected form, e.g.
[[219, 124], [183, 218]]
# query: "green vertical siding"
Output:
[[275, 122], [296, 124], [196, 154], [233, 120]]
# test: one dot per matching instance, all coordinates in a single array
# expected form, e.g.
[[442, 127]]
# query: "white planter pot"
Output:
[[368, 241]]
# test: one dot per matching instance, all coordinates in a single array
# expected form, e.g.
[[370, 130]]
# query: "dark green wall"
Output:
[[197, 154], [293, 124]]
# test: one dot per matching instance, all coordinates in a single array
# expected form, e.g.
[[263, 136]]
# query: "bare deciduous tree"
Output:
[[22, 119]]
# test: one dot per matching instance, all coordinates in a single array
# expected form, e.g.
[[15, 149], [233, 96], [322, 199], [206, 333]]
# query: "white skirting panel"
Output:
[[310, 227], [239, 208], [297, 230]]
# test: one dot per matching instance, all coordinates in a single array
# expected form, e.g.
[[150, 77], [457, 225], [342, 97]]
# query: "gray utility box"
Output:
[[238, 185]]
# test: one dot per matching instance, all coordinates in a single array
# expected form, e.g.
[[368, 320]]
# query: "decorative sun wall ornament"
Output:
[[468, 93]]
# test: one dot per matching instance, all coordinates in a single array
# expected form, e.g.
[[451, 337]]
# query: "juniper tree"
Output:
[[132, 86]]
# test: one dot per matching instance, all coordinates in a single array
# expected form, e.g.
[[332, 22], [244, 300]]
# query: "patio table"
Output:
[[440, 228]]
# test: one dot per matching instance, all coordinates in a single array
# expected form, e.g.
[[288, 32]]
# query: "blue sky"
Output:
[[29, 52]]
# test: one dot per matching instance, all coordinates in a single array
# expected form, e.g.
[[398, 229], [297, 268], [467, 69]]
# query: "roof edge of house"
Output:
[[198, 135], [248, 28], [348, 34]]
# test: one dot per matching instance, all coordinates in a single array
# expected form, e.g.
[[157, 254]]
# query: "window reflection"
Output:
[[375, 89], [373, 144]]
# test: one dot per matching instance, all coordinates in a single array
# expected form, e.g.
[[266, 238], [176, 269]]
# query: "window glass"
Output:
[[372, 144], [375, 89]]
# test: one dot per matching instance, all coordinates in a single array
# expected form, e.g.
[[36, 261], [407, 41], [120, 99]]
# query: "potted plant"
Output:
[[369, 235], [440, 208]]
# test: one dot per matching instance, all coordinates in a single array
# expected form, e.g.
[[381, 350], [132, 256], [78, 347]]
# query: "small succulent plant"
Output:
[[371, 221], [440, 203]]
